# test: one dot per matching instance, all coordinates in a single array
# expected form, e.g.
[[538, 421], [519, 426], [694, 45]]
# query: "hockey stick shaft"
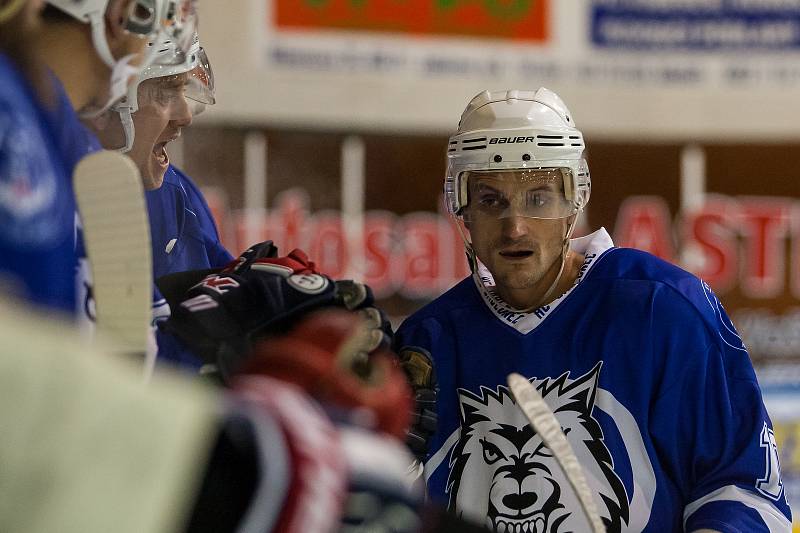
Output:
[[547, 426]]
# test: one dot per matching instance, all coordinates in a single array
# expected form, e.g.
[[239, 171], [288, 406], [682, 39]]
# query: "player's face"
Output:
[[163, 112], [522, 253]]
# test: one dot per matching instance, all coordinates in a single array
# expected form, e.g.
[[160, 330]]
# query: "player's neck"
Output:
[[537, 296], [67, 49]]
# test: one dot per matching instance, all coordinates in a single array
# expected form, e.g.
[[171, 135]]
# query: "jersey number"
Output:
[[771, 484]]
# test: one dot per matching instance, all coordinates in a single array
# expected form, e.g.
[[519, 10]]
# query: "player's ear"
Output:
[[116, 13]]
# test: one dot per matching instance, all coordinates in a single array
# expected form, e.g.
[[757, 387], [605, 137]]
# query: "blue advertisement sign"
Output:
[[702, 25]]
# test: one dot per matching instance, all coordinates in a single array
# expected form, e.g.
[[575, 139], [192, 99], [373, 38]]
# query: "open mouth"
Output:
[[516, 254], [160, 153]]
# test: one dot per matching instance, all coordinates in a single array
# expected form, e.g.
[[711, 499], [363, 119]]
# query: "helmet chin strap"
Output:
[[472, 259], [564, 253], [126, 118]]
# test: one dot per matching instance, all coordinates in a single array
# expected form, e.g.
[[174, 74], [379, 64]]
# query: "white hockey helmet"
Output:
[[154, 20], [145, 18], [199, 87], [515, 129]]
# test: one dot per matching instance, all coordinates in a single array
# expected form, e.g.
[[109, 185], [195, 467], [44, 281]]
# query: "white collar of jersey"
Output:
[[591, 247]]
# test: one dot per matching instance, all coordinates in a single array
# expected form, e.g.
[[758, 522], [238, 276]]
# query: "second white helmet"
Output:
[[515, 129]]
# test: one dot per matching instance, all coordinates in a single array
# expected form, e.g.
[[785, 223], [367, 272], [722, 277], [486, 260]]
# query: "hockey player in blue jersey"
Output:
[[36, 212], [183, 234], [40, 134], [637, 358], [94, 49]]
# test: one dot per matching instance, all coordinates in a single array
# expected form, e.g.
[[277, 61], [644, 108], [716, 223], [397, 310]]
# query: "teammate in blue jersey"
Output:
[[183, 237], [638, 360], [40, 134], [93, 50], [36, 207], [183, 233]]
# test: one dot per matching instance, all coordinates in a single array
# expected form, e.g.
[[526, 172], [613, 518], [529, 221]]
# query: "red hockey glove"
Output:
[[331, 355]]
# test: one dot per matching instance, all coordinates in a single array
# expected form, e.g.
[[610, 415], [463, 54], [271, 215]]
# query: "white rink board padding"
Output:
[[734, 74], [84, 446]]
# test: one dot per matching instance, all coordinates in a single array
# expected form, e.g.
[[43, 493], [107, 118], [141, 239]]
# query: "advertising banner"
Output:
[[696, 25], [663, 69], [524, 20]]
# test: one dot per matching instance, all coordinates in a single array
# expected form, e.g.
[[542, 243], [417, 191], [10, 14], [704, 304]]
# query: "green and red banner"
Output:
[[522, 20]]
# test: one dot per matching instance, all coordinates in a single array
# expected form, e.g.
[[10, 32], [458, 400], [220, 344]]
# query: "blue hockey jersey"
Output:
[[37, 207], [183, 237], [75, 142], [183, 233], [649, 380]]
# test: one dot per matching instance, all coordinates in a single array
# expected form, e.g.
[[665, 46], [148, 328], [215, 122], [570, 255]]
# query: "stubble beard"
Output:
[[527, 278]]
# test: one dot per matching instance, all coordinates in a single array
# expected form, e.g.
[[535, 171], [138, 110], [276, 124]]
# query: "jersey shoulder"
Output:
[[637, 265], [188, 187], [460, 296], [623, 267], [195, 200], [677, 294]]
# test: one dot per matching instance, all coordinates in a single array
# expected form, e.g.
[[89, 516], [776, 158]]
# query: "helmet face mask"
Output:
[[517, 130]]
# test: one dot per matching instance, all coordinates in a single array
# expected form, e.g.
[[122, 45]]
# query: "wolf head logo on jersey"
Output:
[[528, 491]]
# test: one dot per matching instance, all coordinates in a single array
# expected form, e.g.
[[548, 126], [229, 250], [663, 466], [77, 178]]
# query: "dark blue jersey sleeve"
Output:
[[709, 421]]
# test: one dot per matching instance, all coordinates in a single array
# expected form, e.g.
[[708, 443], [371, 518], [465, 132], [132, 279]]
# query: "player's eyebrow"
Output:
[[481, 186], [544, 185]]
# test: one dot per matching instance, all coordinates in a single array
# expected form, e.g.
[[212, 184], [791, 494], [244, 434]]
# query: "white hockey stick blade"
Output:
[[116, 230], [547, 426]]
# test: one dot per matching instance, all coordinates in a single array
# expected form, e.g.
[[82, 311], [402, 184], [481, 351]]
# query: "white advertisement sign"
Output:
[[661, 69]]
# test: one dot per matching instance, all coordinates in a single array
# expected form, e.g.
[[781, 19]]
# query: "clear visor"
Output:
[[200, 84], [166, 93], [530, 193]]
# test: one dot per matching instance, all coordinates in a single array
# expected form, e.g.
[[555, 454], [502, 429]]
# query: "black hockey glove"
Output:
[[219, 314], [418, 366]]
